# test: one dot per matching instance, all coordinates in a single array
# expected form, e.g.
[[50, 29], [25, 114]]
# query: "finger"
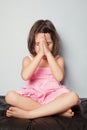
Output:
[[41, 45]]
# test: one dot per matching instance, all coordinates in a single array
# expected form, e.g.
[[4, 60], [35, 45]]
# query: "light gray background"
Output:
[[70, 19]]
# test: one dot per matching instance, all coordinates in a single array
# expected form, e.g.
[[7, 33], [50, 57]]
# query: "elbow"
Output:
[[60, 78], [24, 76]]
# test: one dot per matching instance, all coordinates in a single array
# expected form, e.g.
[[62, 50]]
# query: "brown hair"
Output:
[[43, 26]]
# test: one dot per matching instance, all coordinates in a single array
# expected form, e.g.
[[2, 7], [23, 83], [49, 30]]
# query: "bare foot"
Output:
[[17, 112], [68, 113]]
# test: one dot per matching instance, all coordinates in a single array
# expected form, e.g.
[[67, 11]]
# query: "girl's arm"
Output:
[[57, 66], [29, 66]]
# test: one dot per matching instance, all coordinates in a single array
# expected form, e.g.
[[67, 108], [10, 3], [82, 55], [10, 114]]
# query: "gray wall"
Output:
[[70, 19]]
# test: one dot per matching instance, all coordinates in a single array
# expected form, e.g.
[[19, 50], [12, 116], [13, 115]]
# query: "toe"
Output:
[[11, 108]]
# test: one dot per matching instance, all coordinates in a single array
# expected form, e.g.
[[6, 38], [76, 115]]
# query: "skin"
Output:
[[44, 58]]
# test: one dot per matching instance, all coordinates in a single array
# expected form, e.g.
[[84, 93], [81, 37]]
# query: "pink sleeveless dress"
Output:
[[43, 87]]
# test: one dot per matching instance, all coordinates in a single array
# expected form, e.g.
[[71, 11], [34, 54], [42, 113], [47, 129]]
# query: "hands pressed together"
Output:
[[44, 44]]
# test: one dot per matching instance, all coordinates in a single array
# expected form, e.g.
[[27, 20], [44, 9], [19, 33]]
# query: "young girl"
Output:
[[44, 94]]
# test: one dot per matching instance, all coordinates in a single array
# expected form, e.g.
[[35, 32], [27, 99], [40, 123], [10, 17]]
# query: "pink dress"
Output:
[[43, 87]]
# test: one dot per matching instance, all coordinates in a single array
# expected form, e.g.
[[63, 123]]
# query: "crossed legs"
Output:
[[23, 107]]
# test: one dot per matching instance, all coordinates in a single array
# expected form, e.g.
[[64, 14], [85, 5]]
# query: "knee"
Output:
[[75, 98], [10, 97]]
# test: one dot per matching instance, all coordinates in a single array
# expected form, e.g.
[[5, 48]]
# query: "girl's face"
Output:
[[43, 37]]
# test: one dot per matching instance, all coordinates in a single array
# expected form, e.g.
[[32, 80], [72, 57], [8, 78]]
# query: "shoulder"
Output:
[[60, 60]]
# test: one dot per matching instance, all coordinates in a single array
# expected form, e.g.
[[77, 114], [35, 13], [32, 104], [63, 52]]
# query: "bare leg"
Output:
[[59, 105], [20, 113], [21, 102]]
